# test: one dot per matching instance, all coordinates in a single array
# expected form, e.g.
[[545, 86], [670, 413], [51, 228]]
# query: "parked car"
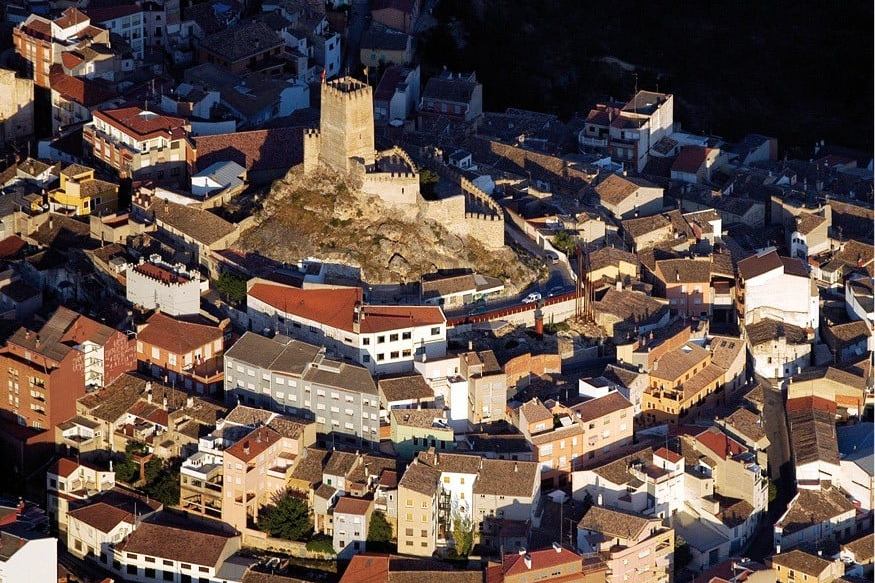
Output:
[[555, 291], [552, 257], [532, 298]]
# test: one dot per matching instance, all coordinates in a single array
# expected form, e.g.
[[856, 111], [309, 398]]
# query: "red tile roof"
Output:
[[810, 403], [177, 336], [367, 568], [350, 505], [102, 516], [335, 308], [544, 559], [83, 91], [690, 159], [141, 123], [159, 273], [720, 443], [258, 150], [669, 455], [254, 444], [331, 307], [11, 246], [71, 16], [64, 467], [71, 58]]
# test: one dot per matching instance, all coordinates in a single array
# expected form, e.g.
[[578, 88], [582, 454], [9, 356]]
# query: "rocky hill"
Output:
[[325, 215]]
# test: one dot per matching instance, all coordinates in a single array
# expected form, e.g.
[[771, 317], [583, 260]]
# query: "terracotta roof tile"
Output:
[[257, 150], [177, 336]]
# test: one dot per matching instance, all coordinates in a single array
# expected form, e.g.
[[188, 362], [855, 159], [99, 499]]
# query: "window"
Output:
[[132, 569], [381, 357], [405, 335], [168, 575], [381, 339], [149, 572], [156, 353], [366, 341], [435, 331], [393, 354], [393, 337]]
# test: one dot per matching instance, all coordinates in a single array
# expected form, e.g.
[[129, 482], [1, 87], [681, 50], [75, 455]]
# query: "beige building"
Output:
[[626, 197], [16, 108], [634, 547], [796, 565], [418, 493]]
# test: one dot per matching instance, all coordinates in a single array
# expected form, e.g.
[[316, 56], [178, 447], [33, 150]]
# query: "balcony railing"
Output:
[[593, 142]]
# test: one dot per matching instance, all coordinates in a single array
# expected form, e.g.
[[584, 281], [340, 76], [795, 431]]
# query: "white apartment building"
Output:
[[647, 482], [29, 558], [126, 21], [385, 339], [156, 285], [777, 288], [629, 131]]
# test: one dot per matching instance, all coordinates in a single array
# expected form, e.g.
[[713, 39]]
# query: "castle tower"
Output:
[[346, 123]]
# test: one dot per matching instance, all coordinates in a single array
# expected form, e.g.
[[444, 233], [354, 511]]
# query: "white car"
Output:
[[532, 298]]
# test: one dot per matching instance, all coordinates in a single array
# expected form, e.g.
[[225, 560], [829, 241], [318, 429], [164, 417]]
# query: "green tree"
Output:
[[427, 181], [463, 535], [126, 470], [565, 241], [288, 517], [773, 491], [164, 487], [231, 287], [379, 533], [682, 554]]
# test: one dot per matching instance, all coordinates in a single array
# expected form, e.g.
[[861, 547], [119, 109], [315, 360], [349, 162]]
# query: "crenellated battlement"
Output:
[[483, 216], [346, 88]]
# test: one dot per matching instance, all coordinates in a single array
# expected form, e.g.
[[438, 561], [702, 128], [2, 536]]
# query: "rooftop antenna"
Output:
[[635, 101]]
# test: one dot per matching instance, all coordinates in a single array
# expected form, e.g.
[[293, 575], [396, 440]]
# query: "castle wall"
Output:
[[393, 187]]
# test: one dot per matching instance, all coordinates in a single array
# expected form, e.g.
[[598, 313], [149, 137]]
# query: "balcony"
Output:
[[591, 142]]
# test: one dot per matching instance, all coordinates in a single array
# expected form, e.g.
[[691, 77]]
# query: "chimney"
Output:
[[619, 285], [516, 467], [527, 559], [539, 323], [189, 402], [557, 547], [598, 500], [246, 447], [164, 402], [522, 551]]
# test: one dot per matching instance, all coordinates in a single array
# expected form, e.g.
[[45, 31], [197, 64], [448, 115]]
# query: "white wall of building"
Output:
[[35, 562], [781, 297]]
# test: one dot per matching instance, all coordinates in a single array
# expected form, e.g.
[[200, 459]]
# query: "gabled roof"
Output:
[[515, 564], [335, 307], [176, 335], [615, 188], [142, 124], [187, 545], [615, 524], [257, 150]]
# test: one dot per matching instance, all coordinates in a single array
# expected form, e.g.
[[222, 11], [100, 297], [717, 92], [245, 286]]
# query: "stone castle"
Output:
[[345, 143]]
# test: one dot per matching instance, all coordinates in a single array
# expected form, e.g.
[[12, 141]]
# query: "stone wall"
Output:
[[346, 123], [16, 107]]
